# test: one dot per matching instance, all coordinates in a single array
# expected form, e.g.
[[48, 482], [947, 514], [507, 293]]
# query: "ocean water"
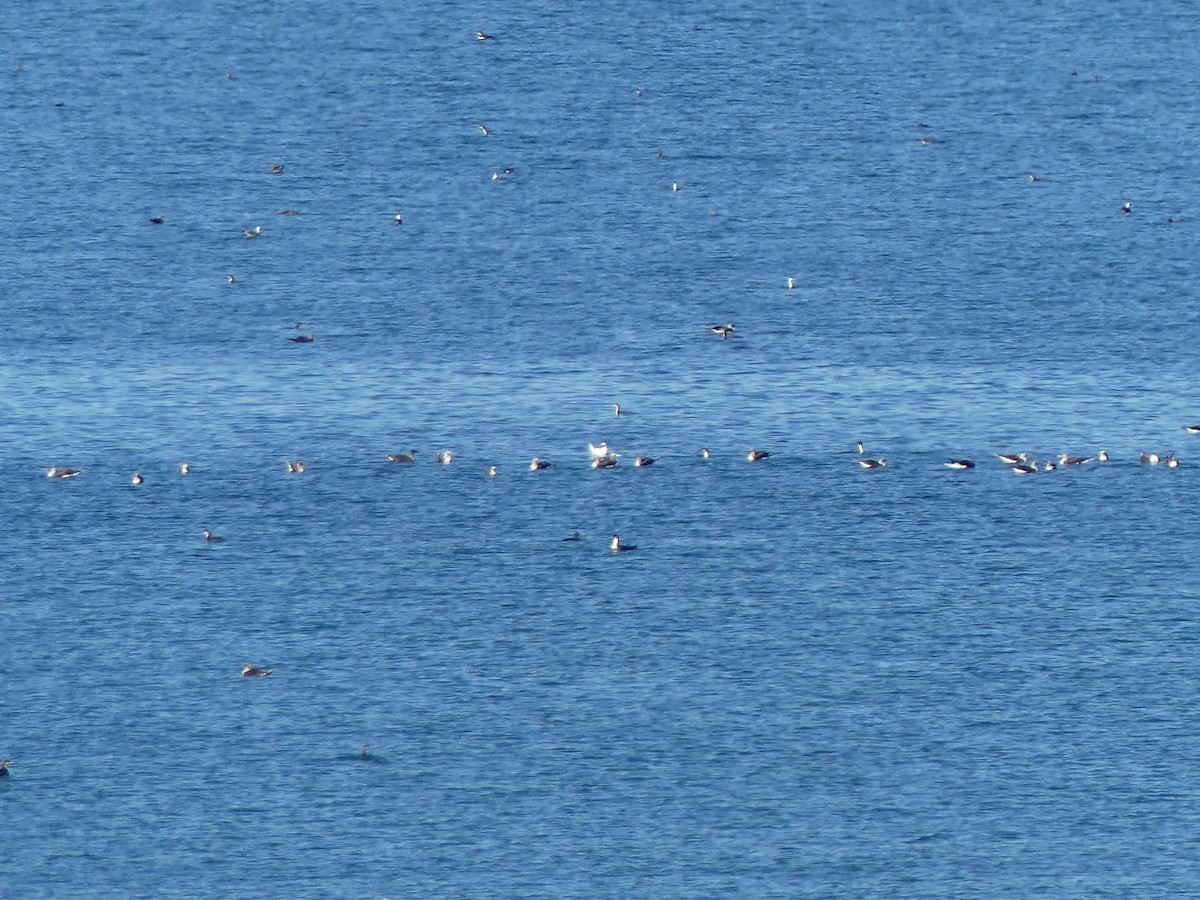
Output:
[[809, 679]]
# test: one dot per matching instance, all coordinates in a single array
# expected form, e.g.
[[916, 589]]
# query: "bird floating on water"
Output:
[[210, 538], [398, 219], [490, 471], [62, 472], [249, 671], [1102, 456], [483, 36], [183, 468], [753, 455], [617, 410], [483, 129], [4, 764], [1150, 459], [303, 338], [617, 547], [1025, 468], [642, 461], [295, 467], [137, 478], [229, 279], [410, 456], [605, 462], [598, 450], [704, 453], [536, 464], [1127, 208], [156, 220], [1192, 429], [1065, 460], [254, 232], [723, 330], [276, 169], [959, 464], [573, 536], [1011, 459], [445, 457], [872, 463]]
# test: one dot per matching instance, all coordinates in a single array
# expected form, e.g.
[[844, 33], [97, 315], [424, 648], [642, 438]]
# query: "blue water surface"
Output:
[[809, 679]]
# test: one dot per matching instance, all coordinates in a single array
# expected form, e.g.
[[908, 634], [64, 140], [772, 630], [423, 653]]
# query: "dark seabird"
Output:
[[1065, 460], [249, 671], [303, 338], [156, 220], [362, 752], [483, 129], [484, 36], [643, 461], [1025, 469], [4, 767], [210, 538], [704, 453], [137, 478], [536, 463], [1011, 459], [62, 472], [254, 232], [574, 536], [183, 468], [398, 219], [287, 212], [605, 462], [872, 463], [276, 169], [1192, 429], [230, 279], [753, 455], [617, 547], [410, 456], [1127, 208], [959, 464]]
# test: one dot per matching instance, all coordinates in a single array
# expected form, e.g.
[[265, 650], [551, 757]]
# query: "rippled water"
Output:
[[808, 679]]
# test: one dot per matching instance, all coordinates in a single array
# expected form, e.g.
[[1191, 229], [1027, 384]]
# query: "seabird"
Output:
[[927, 141], [791, 282], [617, 410], [753, 455], [210, 538], [1171, 461], [303, 338], [62, 472], [137, 478], [1011, 459], [398, 219], [535, 464], [1150, 459], [287, 212], [872, 463], [862, 448], [574, 536], [183, 468], [484, 36], [617, 547], [1065, 460], [1102, 456], [1192, 429], [1127, 208], [643, 461], [704, 454], [1025, 469], [483, 129], [362, 752], [249, 671], [230, 279], [445, 457], [256, 231], [156, 220], [4, 767], [598, 450], [276, 169], [723, 330], [1049, 466], [410, 456], [959, 464], [674, 185], [296, 468], [605, 462], [1034, 178]]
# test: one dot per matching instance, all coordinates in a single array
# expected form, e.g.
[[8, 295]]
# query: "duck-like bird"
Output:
[[723, 330], [617, 547]]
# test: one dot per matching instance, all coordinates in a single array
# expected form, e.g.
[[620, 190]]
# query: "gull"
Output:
[[753, 455], [210, 538], [537, 464], [410, 456], [1171, 461], [1011, 459], [1049, 466], [490, 471], [959, 464], [617, 547], [249, 671], [598, 450]]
